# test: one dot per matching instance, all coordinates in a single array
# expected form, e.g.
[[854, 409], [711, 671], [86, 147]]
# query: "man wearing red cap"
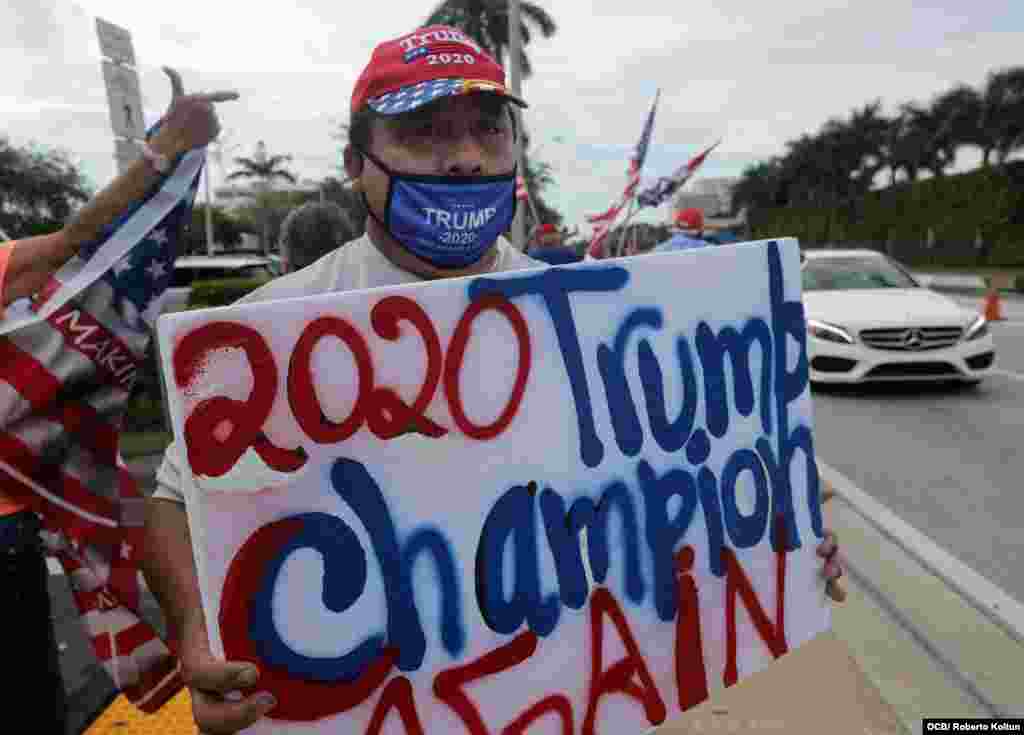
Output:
[[689, 232], [432, 149], [549, 247]]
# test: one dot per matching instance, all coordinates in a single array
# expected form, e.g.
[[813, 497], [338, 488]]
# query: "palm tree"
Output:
[[919, 139], [934, 134], [759, 187], [866, 129], [968, 115], [1004, 100], [265, 169], [486, 22]]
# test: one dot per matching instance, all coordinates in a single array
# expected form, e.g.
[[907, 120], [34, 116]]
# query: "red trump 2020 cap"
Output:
[[422, 66]]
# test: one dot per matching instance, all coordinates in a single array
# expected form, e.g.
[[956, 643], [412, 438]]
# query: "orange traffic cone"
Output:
[[993, 308]]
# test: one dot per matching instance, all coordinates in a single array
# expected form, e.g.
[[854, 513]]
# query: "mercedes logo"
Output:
[[913, 340]]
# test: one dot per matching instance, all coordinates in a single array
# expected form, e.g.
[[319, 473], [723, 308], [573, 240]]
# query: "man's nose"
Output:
[[465, 158]]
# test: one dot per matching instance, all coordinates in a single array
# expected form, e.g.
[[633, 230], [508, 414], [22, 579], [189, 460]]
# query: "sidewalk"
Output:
[[904, 646], [926, 647]]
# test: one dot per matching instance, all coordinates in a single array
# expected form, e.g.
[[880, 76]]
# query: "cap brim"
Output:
[[415, 96]]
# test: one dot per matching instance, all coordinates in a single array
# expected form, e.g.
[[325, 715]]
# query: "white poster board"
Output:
[[434, 581]]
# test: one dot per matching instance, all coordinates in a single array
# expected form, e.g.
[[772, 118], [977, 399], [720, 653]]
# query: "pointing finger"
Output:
[[177, 88], [218, 96]]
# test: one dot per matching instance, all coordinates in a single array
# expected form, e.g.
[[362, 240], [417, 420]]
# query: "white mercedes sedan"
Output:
[[868, 320]]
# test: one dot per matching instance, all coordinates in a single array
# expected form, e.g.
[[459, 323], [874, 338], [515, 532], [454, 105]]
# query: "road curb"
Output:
[[992, 602]]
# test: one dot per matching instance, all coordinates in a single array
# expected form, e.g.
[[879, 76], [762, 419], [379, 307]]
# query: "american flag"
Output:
[[603, 222], [413, 96], [666, 186], [69, 359], [416, 53], [636, 161]]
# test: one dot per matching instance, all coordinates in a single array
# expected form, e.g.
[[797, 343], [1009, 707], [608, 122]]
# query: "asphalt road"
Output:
[[948, 460]]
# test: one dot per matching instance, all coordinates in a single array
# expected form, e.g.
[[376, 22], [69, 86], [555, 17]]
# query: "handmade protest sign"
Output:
[[388, 490]]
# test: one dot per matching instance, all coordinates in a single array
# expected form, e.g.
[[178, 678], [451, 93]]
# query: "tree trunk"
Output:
[[265, 186]]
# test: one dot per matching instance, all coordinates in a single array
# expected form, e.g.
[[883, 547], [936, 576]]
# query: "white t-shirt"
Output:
[[353, 266]]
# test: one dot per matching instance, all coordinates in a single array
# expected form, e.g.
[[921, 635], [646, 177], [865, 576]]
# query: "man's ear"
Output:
[[353, 163]]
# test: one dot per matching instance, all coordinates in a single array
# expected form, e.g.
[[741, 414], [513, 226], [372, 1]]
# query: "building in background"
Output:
[[713, 197], [235, 197], [720, 188]]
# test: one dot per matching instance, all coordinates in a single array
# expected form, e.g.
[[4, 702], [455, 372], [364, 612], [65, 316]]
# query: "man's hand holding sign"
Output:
[[596, 520]]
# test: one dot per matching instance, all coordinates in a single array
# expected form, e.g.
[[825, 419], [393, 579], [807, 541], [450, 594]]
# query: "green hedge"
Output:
[[143, 414], [955, 208], [224, 292]]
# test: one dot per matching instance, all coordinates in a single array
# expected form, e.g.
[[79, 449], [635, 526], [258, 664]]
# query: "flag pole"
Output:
[[209, 210]]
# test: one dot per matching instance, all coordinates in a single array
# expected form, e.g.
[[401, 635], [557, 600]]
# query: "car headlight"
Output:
[[828, 332], [978, 329]]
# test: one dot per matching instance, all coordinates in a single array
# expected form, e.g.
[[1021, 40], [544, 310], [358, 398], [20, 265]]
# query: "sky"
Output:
[[753, 74]]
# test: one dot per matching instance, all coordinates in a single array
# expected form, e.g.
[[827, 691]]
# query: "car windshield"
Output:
[[844, 274]]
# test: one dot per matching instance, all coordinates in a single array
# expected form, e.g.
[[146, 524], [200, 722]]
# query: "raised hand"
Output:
[[191, 119]]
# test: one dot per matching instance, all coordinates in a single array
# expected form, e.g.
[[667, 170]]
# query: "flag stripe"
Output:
[[39, 387], [27, 375], [157, 684], [74, 496], [126, 639]]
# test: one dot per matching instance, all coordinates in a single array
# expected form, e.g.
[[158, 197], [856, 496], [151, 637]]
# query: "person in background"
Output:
[[689, 225], [312, 231], [549, 247]]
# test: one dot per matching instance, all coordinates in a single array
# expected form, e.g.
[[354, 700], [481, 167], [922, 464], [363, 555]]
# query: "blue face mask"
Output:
[[448, 221]]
